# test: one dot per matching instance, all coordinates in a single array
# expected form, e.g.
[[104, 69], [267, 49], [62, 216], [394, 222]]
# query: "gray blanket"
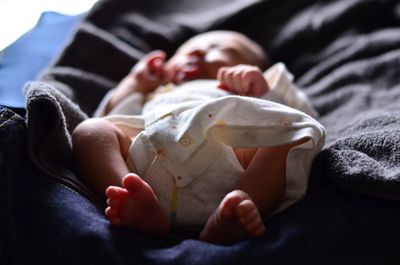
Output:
[[344, 54]]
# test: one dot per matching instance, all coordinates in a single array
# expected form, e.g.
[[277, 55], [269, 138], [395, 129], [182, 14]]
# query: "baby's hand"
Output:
[[150, 72], [244, 80]]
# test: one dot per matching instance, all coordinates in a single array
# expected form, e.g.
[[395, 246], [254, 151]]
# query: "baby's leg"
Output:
[[100, 150], [258, 192]]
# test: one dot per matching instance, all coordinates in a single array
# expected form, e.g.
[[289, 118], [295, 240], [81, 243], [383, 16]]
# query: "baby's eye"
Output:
[[196, 53], [228, 49], [222, 48], [213, 46]]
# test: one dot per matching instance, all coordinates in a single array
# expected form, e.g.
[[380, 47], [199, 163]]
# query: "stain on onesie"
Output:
[[284, 122], [161, 152], [251, 135]]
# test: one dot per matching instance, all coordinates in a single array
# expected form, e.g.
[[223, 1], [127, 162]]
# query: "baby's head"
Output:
[[201, 56]]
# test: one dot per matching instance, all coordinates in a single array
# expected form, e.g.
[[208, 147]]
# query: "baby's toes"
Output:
[[114, 192], [112, 215], [245, 209], [133, 183], [113, 202], [254, 225], [231, 203], [255, 229], [111, 212], [249, 216]]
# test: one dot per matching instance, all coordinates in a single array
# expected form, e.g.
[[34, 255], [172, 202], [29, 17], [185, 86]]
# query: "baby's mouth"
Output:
[[189, 71]]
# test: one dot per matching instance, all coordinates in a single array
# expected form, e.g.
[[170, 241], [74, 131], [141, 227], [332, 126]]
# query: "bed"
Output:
[[344, 54]]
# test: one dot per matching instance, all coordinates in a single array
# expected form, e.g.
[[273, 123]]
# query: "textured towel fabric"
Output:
[[350, 73], [344, 54]]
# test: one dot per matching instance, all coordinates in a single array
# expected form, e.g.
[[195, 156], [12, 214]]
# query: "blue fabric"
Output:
[[24, 59]]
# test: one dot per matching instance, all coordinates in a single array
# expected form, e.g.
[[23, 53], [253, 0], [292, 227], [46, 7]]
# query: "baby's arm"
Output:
[[145, 77], [244, 80]]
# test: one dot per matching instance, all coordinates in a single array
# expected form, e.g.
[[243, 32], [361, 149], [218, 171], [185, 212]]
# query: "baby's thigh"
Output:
[[245, 155]]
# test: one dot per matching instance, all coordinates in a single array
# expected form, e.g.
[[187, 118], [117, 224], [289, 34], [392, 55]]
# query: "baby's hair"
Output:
[[255, 52]]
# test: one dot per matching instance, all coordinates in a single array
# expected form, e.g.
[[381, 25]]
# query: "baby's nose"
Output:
[[214, 56]]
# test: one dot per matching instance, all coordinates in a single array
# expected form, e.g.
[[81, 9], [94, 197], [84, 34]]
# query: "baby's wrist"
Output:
[[132, 85]]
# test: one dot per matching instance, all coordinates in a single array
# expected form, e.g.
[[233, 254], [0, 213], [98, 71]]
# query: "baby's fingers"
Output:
[[224, 75], [237, 79], [253, 82], [155, 62], [258, 85]]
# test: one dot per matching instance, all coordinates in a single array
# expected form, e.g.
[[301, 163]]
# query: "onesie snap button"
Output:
[[186, 140]]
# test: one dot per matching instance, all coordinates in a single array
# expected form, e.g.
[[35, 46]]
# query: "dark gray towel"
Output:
[[344, 54]]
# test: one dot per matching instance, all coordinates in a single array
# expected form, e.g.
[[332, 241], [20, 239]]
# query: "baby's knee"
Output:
[[90, 129]]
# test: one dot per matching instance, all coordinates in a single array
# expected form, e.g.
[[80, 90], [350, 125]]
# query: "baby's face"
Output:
[[201, 56]]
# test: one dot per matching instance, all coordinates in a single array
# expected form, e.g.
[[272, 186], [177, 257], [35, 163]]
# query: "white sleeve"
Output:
[[284, 91], [131, 105]]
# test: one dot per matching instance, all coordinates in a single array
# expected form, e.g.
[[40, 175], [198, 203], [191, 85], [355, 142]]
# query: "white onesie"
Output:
[[183, 139]]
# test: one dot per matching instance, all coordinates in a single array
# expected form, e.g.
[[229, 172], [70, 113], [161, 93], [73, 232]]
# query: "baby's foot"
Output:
[[235, 219], [134, 205]]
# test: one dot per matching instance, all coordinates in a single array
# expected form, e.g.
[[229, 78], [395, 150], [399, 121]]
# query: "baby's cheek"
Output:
[[211, 70]]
